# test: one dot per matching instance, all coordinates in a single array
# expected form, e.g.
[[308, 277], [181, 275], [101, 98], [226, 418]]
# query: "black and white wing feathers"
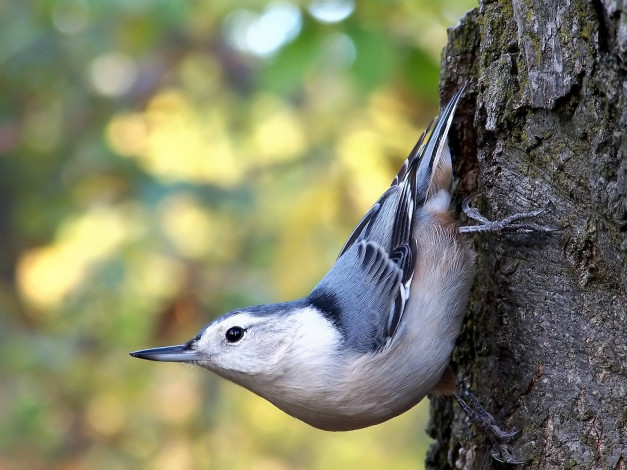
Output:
[[366, 291]]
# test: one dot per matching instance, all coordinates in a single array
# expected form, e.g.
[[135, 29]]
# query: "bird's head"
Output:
[[256, 344]]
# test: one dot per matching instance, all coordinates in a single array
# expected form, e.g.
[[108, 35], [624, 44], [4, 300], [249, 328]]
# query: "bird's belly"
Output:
[[371, 391], [346, 391]]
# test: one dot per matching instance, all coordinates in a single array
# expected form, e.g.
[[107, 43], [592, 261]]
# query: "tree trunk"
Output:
[[544, 343]]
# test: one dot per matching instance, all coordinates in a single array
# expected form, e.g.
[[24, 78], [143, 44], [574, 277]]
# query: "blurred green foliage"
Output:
[[163, 162]]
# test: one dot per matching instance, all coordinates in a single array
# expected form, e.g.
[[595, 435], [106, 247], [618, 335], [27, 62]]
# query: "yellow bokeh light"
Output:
[[387, 112], [175, 455], [278, 134], [154, 276], [187, 225], [298, 251], [270, 463], [361, 154], [194, 230], [175, 142], [39, 275], [127, 134], [176, 396], [106, 414], [46, 275]]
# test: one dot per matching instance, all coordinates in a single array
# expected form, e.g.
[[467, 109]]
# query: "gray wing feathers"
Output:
[[378, 268], [364, 284], [370, 283]]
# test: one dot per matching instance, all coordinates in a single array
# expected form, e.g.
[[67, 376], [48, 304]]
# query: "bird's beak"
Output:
[[168, 354]]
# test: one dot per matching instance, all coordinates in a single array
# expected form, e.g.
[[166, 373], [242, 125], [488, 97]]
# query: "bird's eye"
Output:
[[234, 334]]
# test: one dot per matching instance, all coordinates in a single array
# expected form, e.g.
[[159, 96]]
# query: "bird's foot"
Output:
[[486, 423], [516, 223]]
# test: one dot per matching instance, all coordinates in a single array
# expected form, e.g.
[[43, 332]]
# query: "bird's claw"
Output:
[[486, 423], [516, 223], [506, 436], [501, 453]]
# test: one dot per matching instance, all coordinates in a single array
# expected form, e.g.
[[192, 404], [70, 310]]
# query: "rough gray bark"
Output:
[[544, 343]]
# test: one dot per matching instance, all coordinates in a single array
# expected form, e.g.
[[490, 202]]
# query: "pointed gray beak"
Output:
[[168, 354]]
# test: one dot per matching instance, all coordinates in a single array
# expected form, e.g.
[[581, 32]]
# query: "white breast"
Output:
[[333, 389]]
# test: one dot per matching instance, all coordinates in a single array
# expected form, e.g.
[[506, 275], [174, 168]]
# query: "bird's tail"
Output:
[[430, 159], [426, 175]]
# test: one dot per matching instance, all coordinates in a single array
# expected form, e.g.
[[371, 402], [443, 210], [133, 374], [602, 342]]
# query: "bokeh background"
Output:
[[163, 162]]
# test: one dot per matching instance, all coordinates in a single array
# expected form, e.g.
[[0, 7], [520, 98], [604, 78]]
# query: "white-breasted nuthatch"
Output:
[[375, 336]]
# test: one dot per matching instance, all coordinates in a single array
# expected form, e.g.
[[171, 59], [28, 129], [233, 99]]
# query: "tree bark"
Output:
[[544, 342]]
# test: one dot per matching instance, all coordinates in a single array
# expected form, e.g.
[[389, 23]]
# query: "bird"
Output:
[[376, 334]]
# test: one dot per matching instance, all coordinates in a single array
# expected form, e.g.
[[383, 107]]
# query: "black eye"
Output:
[[234, 334]]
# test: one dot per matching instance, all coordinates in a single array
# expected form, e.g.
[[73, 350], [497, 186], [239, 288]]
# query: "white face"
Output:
[[245, 347], [241, 342]]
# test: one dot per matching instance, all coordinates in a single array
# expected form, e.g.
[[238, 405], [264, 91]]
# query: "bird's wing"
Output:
[[363, 286], [366, 291], [430, 144]]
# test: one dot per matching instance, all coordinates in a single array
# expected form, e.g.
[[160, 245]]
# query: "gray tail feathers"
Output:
[[430, 160]]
